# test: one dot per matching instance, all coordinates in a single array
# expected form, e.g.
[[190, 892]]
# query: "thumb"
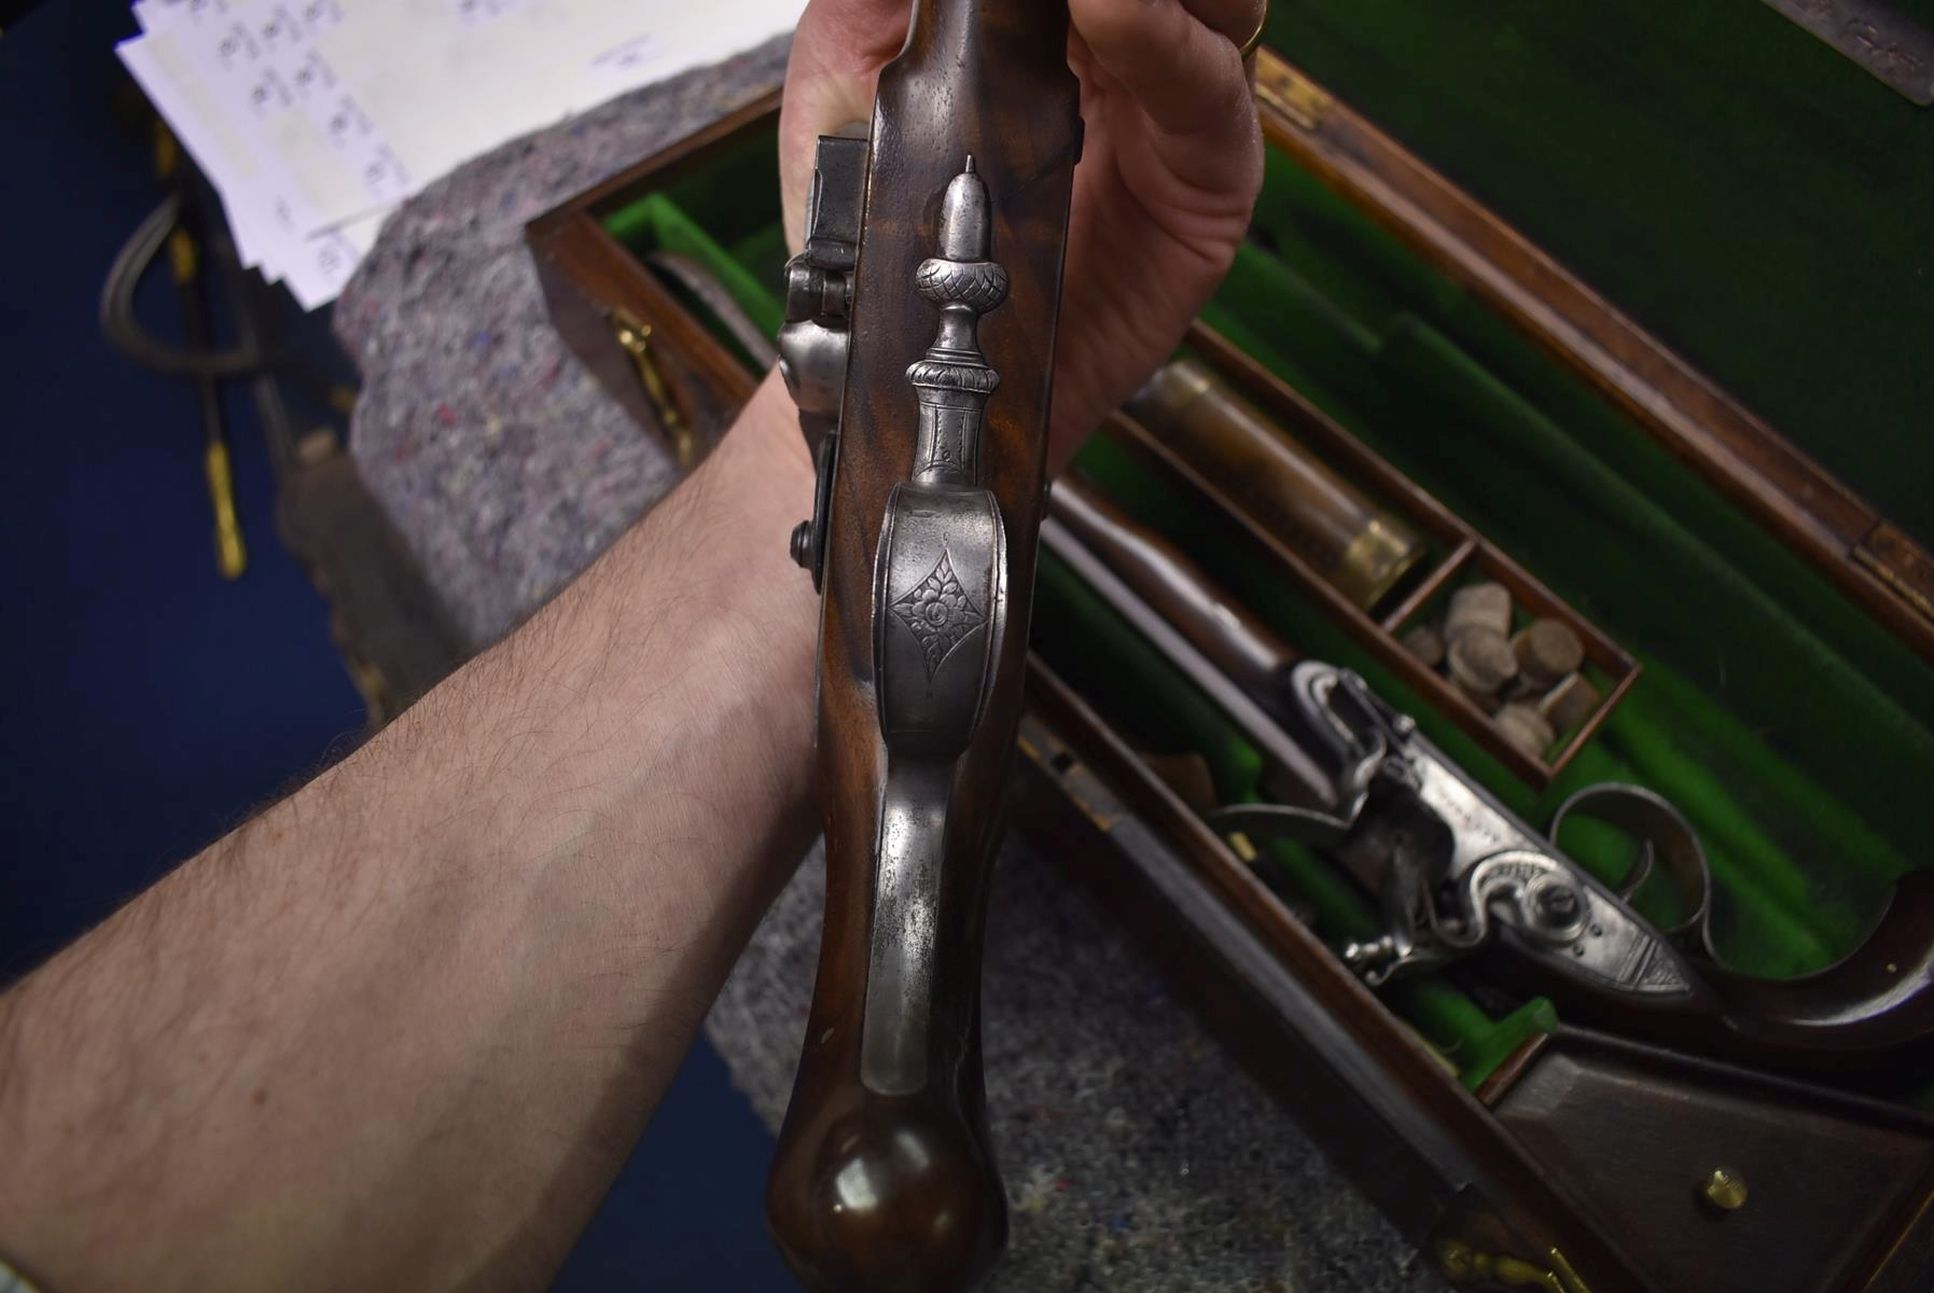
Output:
[[837, 53], [1179, 63]]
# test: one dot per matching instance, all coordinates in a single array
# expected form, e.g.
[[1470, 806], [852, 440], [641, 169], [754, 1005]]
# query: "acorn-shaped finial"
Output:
[[963, 217], [961, 274]]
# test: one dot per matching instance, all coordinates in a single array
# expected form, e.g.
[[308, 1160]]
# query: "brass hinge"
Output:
[[634, 338], [1465, 1265]]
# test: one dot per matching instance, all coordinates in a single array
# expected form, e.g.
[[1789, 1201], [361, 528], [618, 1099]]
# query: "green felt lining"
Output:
[[724, 216], [1339, 256], [1743, 190], [657, 223], [1820, 794]]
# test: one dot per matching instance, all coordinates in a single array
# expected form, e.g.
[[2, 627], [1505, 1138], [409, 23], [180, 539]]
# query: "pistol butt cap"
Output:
[[887, 1193]]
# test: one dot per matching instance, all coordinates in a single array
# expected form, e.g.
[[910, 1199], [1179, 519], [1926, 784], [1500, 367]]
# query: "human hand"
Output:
[[1171, 164]]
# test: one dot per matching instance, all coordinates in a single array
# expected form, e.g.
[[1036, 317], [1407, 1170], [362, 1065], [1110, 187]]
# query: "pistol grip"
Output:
[[925, 546], [1878, 997]]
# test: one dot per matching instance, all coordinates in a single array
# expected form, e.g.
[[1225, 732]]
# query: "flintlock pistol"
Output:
[[1459, 875], [918, 346]]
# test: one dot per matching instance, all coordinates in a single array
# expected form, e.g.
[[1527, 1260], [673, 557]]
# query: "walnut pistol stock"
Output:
[[919, 340]]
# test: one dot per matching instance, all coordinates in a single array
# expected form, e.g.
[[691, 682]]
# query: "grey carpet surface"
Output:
[[1137, 1156]]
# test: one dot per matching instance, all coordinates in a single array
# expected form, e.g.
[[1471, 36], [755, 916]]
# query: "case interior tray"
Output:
[[1793, 731]]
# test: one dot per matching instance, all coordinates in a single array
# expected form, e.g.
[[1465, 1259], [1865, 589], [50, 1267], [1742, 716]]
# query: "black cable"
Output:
[[118, 323]]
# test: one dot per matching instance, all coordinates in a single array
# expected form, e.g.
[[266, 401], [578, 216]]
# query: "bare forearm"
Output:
[[402, 1028]]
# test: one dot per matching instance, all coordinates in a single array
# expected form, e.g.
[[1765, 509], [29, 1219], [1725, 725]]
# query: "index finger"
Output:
[[1186, 77]]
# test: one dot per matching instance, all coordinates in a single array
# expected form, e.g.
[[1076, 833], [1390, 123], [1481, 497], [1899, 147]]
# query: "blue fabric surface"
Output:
[[147, 705]]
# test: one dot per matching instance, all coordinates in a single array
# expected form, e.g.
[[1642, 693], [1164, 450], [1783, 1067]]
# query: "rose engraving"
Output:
[[938, 612]]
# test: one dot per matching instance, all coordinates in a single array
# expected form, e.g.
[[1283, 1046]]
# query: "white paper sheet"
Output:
[[314, 118]]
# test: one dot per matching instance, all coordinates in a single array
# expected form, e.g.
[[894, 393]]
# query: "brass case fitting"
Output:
[[231, 553]]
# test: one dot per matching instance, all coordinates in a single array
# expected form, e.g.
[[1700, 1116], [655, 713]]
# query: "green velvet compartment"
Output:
[[1797, 735], [1743, 190]]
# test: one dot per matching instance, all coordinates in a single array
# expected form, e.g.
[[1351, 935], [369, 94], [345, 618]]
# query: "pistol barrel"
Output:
[[1234, 640]]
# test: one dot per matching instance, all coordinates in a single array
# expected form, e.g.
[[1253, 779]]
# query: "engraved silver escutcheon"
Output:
[[939, 607]]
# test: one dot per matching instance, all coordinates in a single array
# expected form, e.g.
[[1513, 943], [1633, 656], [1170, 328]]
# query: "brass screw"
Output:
[[1457, 1260], [1724, 1190]]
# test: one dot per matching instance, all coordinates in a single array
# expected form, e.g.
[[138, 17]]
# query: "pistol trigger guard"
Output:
[[1878, 996], [1664, 835]]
